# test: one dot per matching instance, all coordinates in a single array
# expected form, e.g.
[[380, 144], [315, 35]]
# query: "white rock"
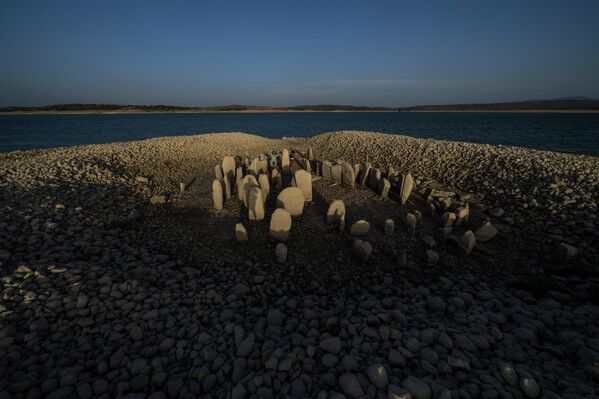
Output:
[[303, 181], [285, 159], [292, 200], [229, 167], [467, 242], [407, 184], [256, 204], [248, 183], [336, 172], [359, 228], [264, 185], [280, 224]]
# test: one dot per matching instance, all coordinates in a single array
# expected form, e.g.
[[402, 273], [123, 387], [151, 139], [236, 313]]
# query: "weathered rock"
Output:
[[350, 386], [227, 185], [389, 226], [564, 252], [326, 170], [378, 376], [485, 232], [331, 345], [463, 215], [384, 187], [336, 212], [281, 253], [337, 172], [280, 224], [303, 181], [310, 154], [411, 221], [467, 242], [247, 184], [241, 233], [432, 258], [182, 186], [256, 204], [264, 185], [448, 219], [407, 184], [362, 249], [364, 173], [229, 167], [292, 200], [360, 228], [373, 178], [217, 195], [239, 184], [218, 172], [418, 388], [285, 159], [348, 175]]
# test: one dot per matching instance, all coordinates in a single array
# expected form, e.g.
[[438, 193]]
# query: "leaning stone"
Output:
[[389, 226], [336, 212], [217, 194], [337, 172], [229, 166], [463, 215], [218, 172], [432, 258], [292, 200], [281, 253], [407, 184], [348, 175], [364, 174], [241, 233], [247, 183], [280, 224], [256, 204], [310, 154], [264, 185], [359, 228], [159, 199], [467, 242], [362, 249], [303, 181], [384, 187], [485, 232]]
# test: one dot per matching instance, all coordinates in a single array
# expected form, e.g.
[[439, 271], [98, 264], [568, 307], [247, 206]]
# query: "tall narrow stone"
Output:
[[227, 185], [303, 181], [218, 172], [336, 212], [373, 178], [285, 159], [310, 154], [384, 186], [281, 253], [247, 183], [467, 242], [238, 183], [389, 226], [229, 166], [280, 224], [407, 184], [326, 170], [364, 174], [241, 233], [254, 168], [264, 185], [337, 172], [256, 204], [348, 175], [217, 195]]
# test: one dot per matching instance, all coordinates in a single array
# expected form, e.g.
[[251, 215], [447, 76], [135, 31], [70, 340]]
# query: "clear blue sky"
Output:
[[283, 52]]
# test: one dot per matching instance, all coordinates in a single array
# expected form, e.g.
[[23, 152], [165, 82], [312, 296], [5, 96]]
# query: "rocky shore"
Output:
[[118, 283]]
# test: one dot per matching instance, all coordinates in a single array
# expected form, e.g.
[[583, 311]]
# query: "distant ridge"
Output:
[[560, 104]]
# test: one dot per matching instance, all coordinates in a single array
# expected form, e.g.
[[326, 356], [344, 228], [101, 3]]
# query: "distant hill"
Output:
[[116, 108], [563, 104]]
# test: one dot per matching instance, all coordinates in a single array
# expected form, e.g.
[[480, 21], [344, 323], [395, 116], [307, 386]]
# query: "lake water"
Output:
[[571, 132]]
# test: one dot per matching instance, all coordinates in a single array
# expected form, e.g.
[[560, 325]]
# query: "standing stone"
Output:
[[448, 219], [217, 194], [485, 232], [463, 215], [238, 183], [348, 175], [336, 172], [181, 187], [264, 185], [281, 253], [384, 186], [285, 159], [310, 154], [467, 242], [411, 221], [229, 166], [360, 228], [218, 172], [357, 169], [389, 226], [227, 184], [292, 200], [336, 212], [303, 181], [391, 172], [407, 184], [373, 178], [256, 204], [241, 233], [362, 249], [248, 182], [280, 224], [254, 168], [365, 173], [326, 170]]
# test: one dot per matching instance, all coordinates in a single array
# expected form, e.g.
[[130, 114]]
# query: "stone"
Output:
[[418, 388], [256, 204], [292, 200], [564, 252], [350, 386], [227, 185], [432, 257], [337, 172], [362, 249], [485, 232], [373, 178], [158, 199], [467, 242], [389, 227], [241, 233], [509, 374], [378, 376], [285, 159], [217, 195], [336, 212], [246, 346], [303, 181], [281, 253], [264, 185], [435, 303], [407, 184], [142, 179], [384, 187], [218, 172], [239, 183], [310, 154], [496, 212], [280, 224], [248, 183], [359, 228], [331, 345], [229, 165], [364, 173], [326, 170], [348, 175], [396, 392], [182, 186], [448, 219], [529, 386]]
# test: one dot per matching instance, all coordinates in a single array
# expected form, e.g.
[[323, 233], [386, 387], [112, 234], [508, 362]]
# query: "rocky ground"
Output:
[[106, 294]]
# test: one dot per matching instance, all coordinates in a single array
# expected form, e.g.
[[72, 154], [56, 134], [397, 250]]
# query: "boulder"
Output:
[[463, 215], [407, 184], [389, 226], [217, 195], [285, 159], [248, 182], [255, 204], [373, 178], [432, 257], [303, 181], [238, 183], [360, 228], [280, 224], [264, 185], [362, 249], [467, 242], [281, 253], [485, 232], [337, 172], [336, 212], [292, 200], [348, 177], [241, 233], [229, 165]]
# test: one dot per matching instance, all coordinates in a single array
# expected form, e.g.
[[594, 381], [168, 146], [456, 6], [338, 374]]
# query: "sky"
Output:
[[284, 53]]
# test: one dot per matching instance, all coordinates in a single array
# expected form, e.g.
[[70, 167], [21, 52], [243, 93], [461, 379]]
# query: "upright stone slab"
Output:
[[217, 194], [238, 183], [218, 172], [463, 215], [256, 204], [303, 181], [348, 175], [373, 178], [263, 165], [364, 174], [326, 170], [285, 159], [384, 187], [389, 226], [182, 186], [337, 172], [448, 219], [264, 185], [407, 184], [310, 154], [485, 232], [360, 228], [336, 212], [467, 242], [241, 233], [227, 185], [280, 224], [247, 183], [292, 200], [254, 168], [229, 166]]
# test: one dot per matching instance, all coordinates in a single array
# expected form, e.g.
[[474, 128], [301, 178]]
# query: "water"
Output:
[[570, 132]]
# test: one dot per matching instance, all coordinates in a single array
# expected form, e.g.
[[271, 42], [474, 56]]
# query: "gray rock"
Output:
[[331, 345], [378, 376], [418, 388], [350, 386]]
